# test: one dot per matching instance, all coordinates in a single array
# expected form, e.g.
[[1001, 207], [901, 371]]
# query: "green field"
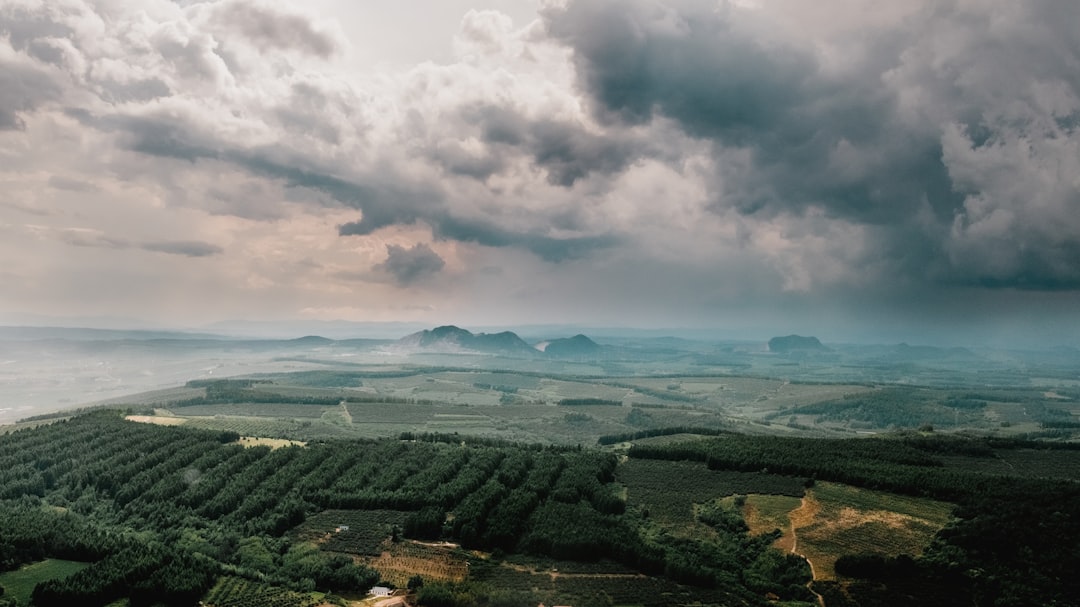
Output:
[[19, 584]]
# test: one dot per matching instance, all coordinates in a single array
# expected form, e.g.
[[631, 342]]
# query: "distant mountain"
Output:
[[455, 339], [311, 340], [578, 346], [796, 343], [903, 351], [31, 333]]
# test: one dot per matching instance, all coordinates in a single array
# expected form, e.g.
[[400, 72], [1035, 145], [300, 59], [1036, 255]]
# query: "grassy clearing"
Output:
[[766, 513], [835, 520], [19, 584], [156, 419], [273, 443]]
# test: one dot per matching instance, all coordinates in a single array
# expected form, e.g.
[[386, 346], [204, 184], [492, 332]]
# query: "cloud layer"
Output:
[[632, 161]]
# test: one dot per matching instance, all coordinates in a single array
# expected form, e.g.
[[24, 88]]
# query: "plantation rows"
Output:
[[154, 473], [407, 559], [76, 456], [603, 589], [564, 567], [199, 491], [238, 592]]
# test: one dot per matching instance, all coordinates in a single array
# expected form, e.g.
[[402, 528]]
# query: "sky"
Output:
[[841, 168]]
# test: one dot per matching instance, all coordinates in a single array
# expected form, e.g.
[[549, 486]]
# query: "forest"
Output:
[[171, 515], [161, 513]]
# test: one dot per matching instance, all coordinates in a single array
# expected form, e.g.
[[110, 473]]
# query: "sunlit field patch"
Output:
[[835, 520]]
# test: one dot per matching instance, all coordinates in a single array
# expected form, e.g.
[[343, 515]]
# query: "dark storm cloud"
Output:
[[695, 65], [186, 248], [688, 62], [409, 266], [866, 144]]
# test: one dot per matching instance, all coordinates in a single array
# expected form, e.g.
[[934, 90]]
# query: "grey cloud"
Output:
[[383, 200], [72, 185], [23, 27], [409, 266], [569, 153], [454, 158], [269, 27], [154, 133], [384, 203], [864, 144], [92, 239], [186, 248], [566, 150], [548, 248], [48, 53], [23, 89], [447, 227], [138, 90], [84, 237]]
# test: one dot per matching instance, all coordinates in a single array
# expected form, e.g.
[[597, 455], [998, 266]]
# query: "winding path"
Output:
[[810, 509]]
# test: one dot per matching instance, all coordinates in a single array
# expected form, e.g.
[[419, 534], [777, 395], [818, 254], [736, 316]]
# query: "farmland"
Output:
[[434, 562], [699, 477], [19, 584], [578, 403], [238, 592]]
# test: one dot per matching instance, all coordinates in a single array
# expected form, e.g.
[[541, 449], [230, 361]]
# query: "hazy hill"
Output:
[[455, 339], [796, 343], [578, 346]]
